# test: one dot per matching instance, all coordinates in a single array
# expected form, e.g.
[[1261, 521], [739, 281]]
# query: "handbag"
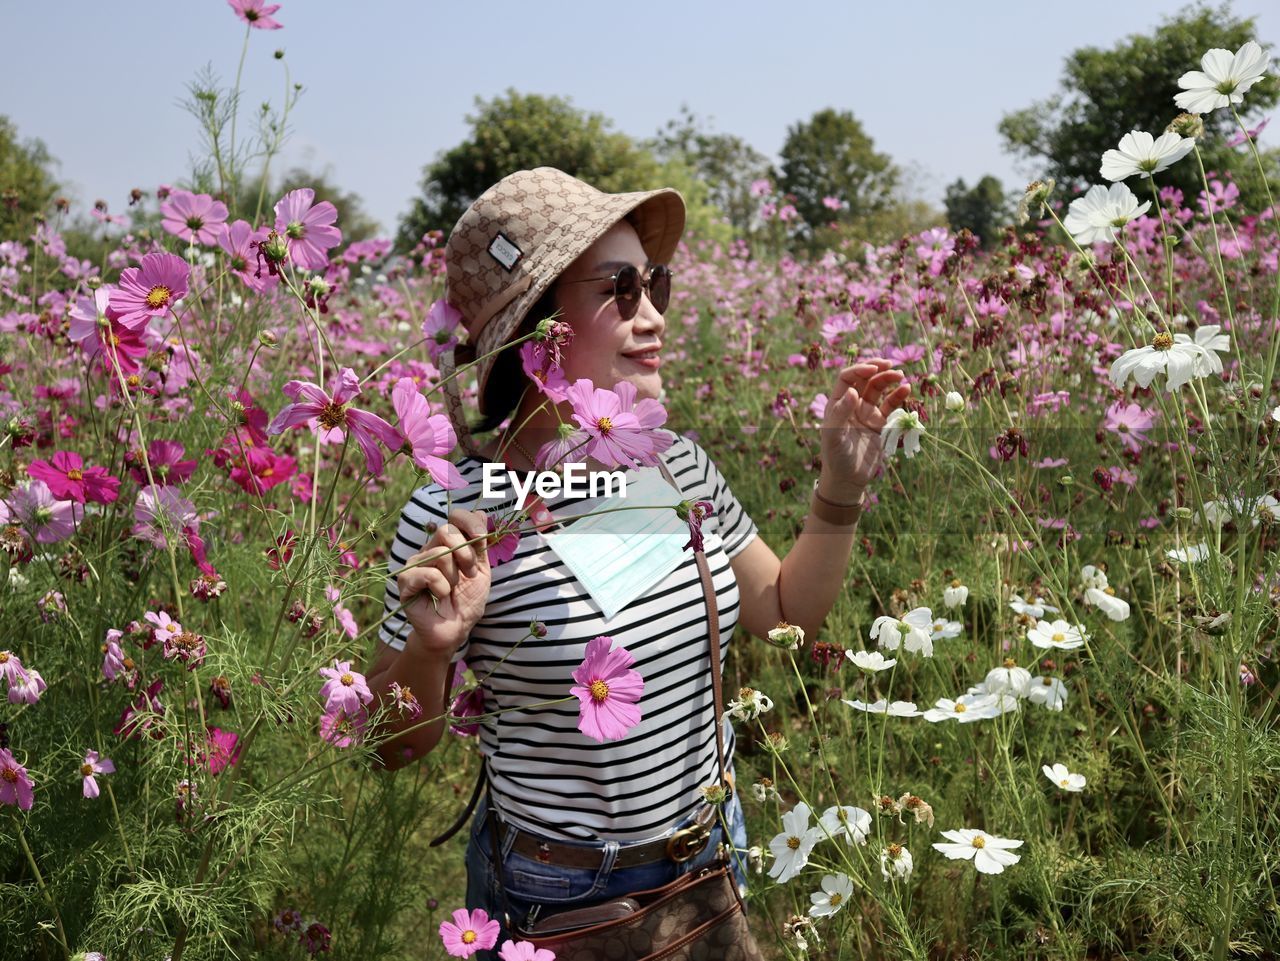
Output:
[[697, 917]]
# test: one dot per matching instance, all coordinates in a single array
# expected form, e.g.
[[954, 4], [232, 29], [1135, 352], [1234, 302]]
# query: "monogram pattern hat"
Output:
[[515, 240]]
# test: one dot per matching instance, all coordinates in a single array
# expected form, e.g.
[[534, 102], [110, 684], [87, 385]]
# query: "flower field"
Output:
[[1040, 723]]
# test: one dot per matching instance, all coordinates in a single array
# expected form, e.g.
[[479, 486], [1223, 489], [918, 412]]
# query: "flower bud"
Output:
[[268, 338], [1186, 125], [954, 401], [1183, 513]]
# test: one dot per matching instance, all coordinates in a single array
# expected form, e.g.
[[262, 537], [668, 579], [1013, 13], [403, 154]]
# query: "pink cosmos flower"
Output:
[[256, 13], [223, 750], [617, 436], [405, 701], [163, 509], [68, 479], [342, 729], [87, 315], [44, 517], [695, 514], [307, 228], [15, 783], [165, 460], [547, 377], [1130, 422], [430, 436], [330, 416], [113, 658], [91, 766], [196, 218], [1239, 137], [346, 620], [504, 538], [28, 688], [236, 240], [608, 691], [832, 203], [150, 290], [441, 328], [345, 689], [467, 703], [262, 469], [163, 627], [130, 725], [524, 951], [469, 932], [11, 669]]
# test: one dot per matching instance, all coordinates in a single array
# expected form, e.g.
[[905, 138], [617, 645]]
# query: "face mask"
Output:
[[619, 556]]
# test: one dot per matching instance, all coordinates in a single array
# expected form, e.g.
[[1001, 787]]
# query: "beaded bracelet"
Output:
[[842, 515]]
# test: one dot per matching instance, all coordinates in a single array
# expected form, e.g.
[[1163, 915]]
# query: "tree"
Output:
[[724, 163], [983, 208], [27, 184], [830, 155], [1106, 93], [518, 132]]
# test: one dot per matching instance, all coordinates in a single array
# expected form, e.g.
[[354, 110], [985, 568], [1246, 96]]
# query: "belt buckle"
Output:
[[688, 842]]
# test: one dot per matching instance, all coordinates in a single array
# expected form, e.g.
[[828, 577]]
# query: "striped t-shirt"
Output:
[[546, 776]]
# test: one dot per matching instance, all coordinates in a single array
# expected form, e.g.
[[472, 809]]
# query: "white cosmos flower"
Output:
[[1099, 214], [943, 628], [871, 661], [1057, 634], [1008, 679], [954, 595], [1140, 153], [836, 892], [990, 854], [1064, 779], [1188, 555], [914, 631], [896, 863], [896, 709], [852, 822], [905, 424], [966, 709], [1049, 692], [1033, 608], [1179, 360], [791, 848], [1222, 79], [1092, 576], [749, 704], [1275, 415], [1208, 338], [1106, 601]]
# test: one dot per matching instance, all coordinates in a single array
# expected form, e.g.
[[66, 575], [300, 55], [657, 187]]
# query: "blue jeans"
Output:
[[555, 888]]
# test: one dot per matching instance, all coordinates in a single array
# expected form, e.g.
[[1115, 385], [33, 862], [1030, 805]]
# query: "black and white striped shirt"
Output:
[[545, 774]]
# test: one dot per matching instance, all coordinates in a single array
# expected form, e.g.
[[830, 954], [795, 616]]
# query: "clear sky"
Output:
[[389, 82]]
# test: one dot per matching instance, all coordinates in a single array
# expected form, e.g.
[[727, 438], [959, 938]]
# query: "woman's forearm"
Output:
[[813, 572], [425, 674]]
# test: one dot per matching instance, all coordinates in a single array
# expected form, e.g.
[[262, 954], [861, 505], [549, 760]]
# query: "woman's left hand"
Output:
[[863, 397]]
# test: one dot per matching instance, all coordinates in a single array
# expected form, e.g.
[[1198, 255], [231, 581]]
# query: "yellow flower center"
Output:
[[604, 425], [1047, 681], [1065, 781], [956, 582], [835, 899], [333, 416], [1059, 638], [894, 851], [599, 691], [979, 842], [10, 775], [469, 937], [1010, 662], [1163, 341], [159, 296], [793, 842], [347, 679], [75, 474], [960, 708], [86, 769]]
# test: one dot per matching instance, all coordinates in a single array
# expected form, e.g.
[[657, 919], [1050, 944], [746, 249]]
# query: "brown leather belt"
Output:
[[680, 846]]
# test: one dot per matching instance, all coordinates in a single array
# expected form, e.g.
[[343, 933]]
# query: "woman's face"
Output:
[[602, 340]]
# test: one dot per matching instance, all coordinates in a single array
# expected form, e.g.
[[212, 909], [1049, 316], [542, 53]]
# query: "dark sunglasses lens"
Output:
[[627, 291], [660, 287]]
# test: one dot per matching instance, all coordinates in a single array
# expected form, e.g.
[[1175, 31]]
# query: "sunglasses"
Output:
[[628, 284]]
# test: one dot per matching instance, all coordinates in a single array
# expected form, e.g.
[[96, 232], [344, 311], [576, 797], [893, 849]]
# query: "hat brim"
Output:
[[660, 221]]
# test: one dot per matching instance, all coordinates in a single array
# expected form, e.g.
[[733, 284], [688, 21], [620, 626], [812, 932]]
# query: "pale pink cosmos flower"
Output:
[[236, 239], [344, 689], [342, 729], [28, 688], [113, 655], [307, 228], [441, 328], [617, 435], [469, 932], [91, 766], [1130, 422], [44, 517], [608, 691], [256, 13], [196, 218], [88, 314], [330, 416], [11, 669], [160, 510], [16, 786], [346, 620], [524, 951], [150, 289], [163, 626], [430, 436]]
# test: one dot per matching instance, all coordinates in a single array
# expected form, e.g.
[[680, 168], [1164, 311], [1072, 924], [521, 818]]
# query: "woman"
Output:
[[580, 821]]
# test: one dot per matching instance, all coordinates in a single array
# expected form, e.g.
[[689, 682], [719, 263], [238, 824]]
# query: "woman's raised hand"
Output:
[[445, 586], [862, 399]]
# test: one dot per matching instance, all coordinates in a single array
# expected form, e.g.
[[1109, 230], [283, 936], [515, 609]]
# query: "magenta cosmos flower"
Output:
[[44, 517], [69, 479], [430, 436], [196, 218], [150, 290], [608, 691], [15, 783], [256, 13], [96, 327], [91, 766], [307, 228], [344, 689], [165, 460], [620, 432], [469, 932], [330, 417]]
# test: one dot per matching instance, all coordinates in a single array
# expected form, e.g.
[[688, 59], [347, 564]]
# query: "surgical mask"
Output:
[[620, 555]]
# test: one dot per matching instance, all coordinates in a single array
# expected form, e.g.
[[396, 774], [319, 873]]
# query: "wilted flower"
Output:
[[1034, 199], [917, 808], [905, 424], [787, 636], [896, 863], [749, 705]]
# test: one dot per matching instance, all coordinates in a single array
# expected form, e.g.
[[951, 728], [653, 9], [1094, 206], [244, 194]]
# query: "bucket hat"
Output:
[[515, 240]]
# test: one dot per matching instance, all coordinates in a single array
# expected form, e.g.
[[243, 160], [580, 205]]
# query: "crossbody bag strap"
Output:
[[713, 636]]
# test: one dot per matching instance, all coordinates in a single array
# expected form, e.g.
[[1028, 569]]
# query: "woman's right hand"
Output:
[[458, 579]]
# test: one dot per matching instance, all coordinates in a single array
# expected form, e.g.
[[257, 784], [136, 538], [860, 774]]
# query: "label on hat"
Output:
[[504, 251]]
